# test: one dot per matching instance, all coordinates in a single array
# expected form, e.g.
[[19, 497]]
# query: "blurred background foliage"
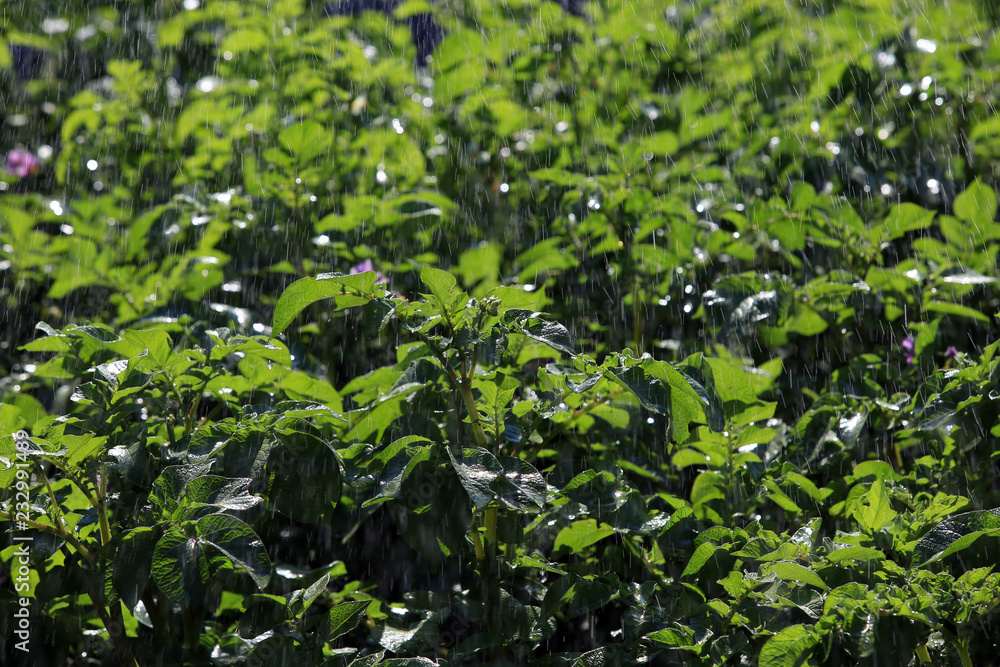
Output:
[[624, 161]]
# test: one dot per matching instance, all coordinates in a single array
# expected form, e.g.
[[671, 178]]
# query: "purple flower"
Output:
[[367, 265], [909, 349], [21, 163], [951, 352]]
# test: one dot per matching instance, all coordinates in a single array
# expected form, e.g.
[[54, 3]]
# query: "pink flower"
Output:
[[367, 265], [909, 349], [21, 163]]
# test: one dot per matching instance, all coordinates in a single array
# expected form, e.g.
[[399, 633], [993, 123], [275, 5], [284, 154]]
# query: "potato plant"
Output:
[[560, 333]]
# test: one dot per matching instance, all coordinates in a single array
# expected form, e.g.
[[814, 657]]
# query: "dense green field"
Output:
[[644, 333]]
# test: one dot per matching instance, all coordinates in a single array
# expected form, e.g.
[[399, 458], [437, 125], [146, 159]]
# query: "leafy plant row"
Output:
[[162, 489]]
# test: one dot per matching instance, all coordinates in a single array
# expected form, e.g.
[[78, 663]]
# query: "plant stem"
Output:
[[58, 515], [102, 509], [191, 619], [463, 386], [491, 577], [956, 644], [53, 530], [159, 614], [114, 623], [465, 389], [80, 485], [477, 541]]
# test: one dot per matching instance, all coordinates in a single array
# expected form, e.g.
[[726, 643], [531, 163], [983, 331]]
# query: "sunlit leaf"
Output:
[[346, 291], [789, 648]]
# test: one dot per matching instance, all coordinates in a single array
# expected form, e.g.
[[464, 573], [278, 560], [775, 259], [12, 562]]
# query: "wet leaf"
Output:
[[346, 291], [788, 648], [955, 534]]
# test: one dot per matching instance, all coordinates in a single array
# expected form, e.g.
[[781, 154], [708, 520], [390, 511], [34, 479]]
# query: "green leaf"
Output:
[[536, 561], [306, 409], [264, 613], [789, 648], [516, 298], [303, 475], [306, 141], [477, 470], [977, 205], [238, 543], [673, 637], [807, 486], [955, 309], [855, 553], [410, 8], [244, 41], [133, 564], [794, 572], [441, 284], [806, 321], [369, 660], [661, 144], [169, 487], [520, 486], [731, 381], [701, 555], [218, 493], [902, 218], [687, 406], [302, 599], [97, 333], [516, 483], [155, 342], [877, 469], [653, 394], [955, 534], [346, 291], [84, 448], [277, 651], [614, 655], [180, 568], [875, 511], [689, 457], [558, 594], [415, 639], [515, 617], [591, 594], [581, 534], [100, 569], [343, 618], [396, 470], [594, 488], [533, 326]]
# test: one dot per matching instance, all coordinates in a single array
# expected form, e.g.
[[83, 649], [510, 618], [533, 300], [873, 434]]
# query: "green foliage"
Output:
[[655, 335]]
